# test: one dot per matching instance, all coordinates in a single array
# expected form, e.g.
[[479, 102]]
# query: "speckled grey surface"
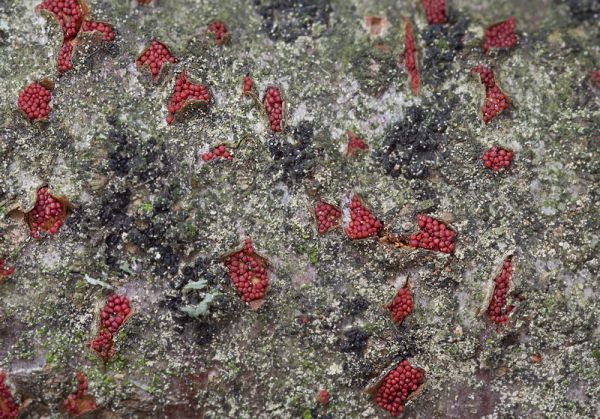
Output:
[[149, 215]]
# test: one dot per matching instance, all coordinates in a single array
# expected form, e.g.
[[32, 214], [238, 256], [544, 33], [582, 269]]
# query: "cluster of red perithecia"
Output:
[[497, 158], [219, 30], [495, 100], [500, 35], [9, 409], [355, 144], [433, 235], [217, 152], [435, 11], [72, 17], [34, 101], [499, 309], [401, 306], [410, 58], [363, 223], [248, 272], [48, 213], [397, 386], [155, 56], [327, 216], [273, 103], [80, 402], [112, 317], [186, 93]]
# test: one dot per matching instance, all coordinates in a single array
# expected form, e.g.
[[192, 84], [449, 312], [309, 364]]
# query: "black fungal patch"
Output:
[[355, 341], [287, 20], [355, 306], [409, 145], [583, 10], [296, 161], [442, 44]]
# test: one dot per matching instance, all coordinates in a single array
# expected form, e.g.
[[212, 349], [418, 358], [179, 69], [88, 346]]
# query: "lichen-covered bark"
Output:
[[152, 220]]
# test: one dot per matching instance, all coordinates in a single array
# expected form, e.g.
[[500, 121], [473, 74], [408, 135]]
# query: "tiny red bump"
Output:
[[9, 409], [402, 305], [499, 309], [397, 386], [410, 59], [327, 216], [497, 158], [219, 30], [155, 56], [355, 144], [273, 103], [248, 272], [433, 235], [363, 223], [495, 100], [500, 35]]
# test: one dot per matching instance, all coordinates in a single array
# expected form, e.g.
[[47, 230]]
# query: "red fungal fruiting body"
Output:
[[247, 85], [217, 152], [362, 222], [104, 28], [397, 385], [248, 272], [500, 35], [324, 397], [496, 158], [5, 270], [219, 30], [495, 100], [274, 107], [34, 101], [155, 56], [401, 305], [410, 58], [596, 77], [498, 309], [185, 93], [68, 13], [80, 402], [355, 144], [103, 344], [115, 312], [327, 216], [65, 53], [47, 215], [433, 235], [8, 408], [435, 11]]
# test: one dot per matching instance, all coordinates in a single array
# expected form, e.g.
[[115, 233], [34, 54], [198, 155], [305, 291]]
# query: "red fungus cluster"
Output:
[[402, 305], [106, 30], [219, 30], [48, 213], [327, 216], [355, 144], [324, 397], [498, 309], [103, 344], [155, 56], [71, 16], [184, 94], [115, 312], [497, 158], [433, 235], [273, 103], [435, 11], [248, 272], [247, 85], [113, 315], [217, 152], [9, 409], [68, 13], [34, 101], [495, 100], [397, 386], [500, 35], [65, 53], [596, 77], [80, 402], [362, 222], [5, 270], [410, 58]]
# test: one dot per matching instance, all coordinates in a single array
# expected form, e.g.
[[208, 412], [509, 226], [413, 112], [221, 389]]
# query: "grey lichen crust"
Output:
[[149, 216]]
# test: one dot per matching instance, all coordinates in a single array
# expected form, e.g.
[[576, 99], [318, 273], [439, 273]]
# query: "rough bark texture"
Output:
[[150, 216]]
